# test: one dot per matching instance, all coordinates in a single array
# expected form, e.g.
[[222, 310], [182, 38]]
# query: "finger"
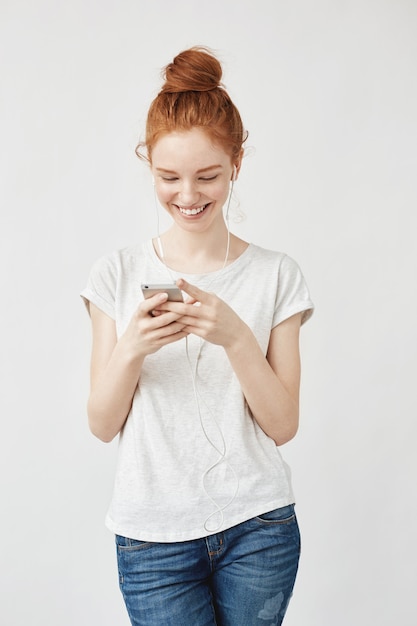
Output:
[[190, 300], [164, 319], [170, 329], [178, 308], [167, 339], [151, 303], [198, 295]]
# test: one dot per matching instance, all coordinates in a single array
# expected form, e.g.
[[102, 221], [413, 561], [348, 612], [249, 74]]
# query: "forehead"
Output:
[[190, 147]]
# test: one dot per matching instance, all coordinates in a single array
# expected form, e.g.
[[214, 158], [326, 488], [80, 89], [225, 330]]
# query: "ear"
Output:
[[236, 166]]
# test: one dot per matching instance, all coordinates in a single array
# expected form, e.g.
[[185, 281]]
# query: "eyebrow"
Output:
[[201, 171]]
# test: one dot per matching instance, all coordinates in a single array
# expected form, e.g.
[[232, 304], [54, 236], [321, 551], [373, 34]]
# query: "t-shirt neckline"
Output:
[[209, 276]]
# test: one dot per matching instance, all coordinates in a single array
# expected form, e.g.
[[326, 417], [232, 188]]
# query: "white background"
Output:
[[328, 92]]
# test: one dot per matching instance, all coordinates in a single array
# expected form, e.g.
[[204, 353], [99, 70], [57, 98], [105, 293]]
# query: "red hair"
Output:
[[191, 96]]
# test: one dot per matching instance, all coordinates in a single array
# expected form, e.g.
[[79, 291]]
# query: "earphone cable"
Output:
[[194, 374], [222, 452]]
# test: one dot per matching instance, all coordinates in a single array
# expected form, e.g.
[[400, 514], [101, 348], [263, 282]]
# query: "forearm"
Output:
[[112, 393], [271, 404]]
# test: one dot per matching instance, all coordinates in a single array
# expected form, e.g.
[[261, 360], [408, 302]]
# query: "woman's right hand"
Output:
[[150, 329], [116, 362]]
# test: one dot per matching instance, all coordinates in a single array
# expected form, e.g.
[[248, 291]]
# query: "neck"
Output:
[[194, 253]]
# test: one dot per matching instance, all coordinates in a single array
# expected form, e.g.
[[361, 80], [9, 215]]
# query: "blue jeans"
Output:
[[243, 576]]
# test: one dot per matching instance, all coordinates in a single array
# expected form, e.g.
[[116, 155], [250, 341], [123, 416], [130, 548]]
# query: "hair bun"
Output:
[[195, 69]]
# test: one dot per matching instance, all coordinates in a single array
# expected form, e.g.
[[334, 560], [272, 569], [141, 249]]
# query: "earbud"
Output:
[[234, 175], [153, 181]]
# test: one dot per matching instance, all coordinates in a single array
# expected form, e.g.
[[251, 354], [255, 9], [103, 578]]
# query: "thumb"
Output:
[[191, 290]]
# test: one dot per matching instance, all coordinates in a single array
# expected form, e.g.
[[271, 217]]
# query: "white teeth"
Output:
[[192, 211]]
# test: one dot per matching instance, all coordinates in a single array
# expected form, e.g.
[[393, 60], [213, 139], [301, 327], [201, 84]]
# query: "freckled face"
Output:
[[192, 178]]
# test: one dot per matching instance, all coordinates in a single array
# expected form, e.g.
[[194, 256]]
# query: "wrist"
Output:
[[130, 354], [242, 341]]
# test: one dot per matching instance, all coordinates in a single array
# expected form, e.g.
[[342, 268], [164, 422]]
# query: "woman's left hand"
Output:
[[204, 314], [269, 383]]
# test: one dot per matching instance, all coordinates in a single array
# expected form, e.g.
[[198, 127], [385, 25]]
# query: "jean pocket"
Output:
[[283, 515], [125, 543]]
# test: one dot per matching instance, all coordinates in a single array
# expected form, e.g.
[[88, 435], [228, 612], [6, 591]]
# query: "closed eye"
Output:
[[204, 179]]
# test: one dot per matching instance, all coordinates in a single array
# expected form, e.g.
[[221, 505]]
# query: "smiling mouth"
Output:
[[195, 211]]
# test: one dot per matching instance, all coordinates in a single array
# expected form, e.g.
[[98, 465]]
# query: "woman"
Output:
[[201, 392]]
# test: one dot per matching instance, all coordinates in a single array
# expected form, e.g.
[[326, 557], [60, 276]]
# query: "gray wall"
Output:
[[328, 93]]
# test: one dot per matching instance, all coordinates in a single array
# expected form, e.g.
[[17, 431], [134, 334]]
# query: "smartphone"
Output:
[[174, 293]]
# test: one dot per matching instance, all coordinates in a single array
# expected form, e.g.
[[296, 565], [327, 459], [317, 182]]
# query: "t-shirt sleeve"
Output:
[[101, 286], [292, 294]]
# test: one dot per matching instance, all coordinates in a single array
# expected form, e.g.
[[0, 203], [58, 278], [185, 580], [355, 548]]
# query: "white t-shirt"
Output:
[[192, 461]]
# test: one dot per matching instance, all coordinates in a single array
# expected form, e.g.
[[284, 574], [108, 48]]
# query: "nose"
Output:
[[188, 193]]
